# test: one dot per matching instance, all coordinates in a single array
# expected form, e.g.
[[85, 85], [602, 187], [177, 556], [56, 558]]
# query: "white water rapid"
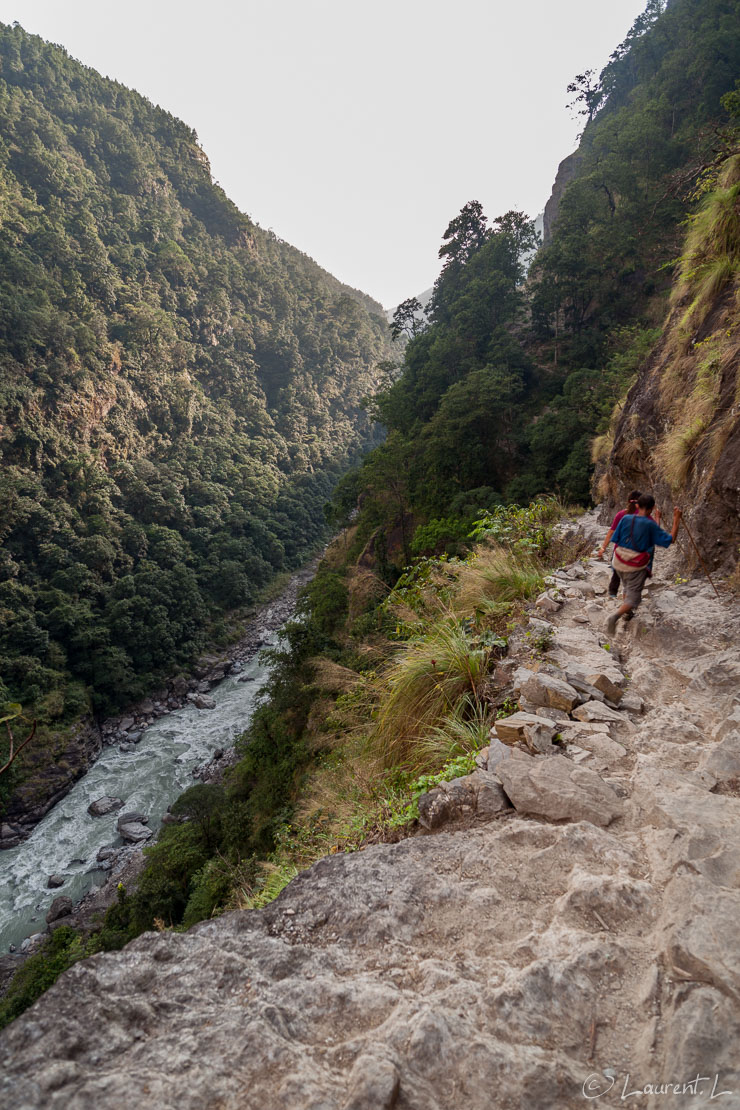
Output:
[[148, 779]]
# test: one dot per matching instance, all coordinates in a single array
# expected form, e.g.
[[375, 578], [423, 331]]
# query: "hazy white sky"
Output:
[[356, 131]]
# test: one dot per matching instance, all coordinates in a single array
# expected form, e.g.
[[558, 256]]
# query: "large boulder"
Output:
[[106, 804], [60, 907], [131, 816], [134, 832], [559, 790]]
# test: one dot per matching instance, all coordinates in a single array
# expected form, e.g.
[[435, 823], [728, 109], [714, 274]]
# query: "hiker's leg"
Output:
[[614, 584]]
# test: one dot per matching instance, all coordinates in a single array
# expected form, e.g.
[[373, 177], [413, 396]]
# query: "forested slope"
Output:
[[502, 392], [179, 390]]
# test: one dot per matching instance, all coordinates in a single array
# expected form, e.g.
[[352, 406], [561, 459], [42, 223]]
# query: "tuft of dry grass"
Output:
[[423, 686], [493, 579]]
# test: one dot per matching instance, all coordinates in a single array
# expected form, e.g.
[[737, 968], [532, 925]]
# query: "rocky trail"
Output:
[[579, 947]]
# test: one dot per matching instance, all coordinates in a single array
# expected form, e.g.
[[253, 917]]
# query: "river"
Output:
[[148, 779]]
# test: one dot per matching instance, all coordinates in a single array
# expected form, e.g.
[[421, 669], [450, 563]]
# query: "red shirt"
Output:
[[618, 517]]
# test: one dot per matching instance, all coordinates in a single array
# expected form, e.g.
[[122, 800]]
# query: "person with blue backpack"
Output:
[[635, 539]]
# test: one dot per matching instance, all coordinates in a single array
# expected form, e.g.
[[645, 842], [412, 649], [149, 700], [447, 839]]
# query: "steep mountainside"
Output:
[[179, 390], [678, 432], [504, 385]]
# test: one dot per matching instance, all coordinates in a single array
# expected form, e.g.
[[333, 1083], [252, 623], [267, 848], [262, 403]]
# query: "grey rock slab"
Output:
[[596, 711], [731, 723], [496, 753], [550, 601], [546, 690], [374, 1083], [126, 723], [132, 816], [106, 804], [479, 794], [556, 789], [631, 702], [55, 881], [598, 744], [701, 937], [722, 761], [133, 831]]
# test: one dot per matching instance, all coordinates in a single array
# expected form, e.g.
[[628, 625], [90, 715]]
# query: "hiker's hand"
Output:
[[600, 554], [677, 514]]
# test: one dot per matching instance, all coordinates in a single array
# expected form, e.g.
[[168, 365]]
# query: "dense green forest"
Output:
[[179, 390]]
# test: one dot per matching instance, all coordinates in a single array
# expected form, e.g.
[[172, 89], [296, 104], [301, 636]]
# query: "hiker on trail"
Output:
[[635, 539], [631, 508]]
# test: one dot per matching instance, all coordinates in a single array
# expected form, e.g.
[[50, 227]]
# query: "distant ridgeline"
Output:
[[506, 384], [179, 389]]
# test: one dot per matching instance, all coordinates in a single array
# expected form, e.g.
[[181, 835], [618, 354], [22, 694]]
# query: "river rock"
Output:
[[202, 701], [179, 686], [134, 832], [60, 907], [126, 723], [106, 804], [127, 818], [146, 707], [55, 881], [556, 789], [126, 748], [106, 854]]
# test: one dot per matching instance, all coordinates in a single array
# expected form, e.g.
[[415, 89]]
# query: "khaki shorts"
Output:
[[633, 582]]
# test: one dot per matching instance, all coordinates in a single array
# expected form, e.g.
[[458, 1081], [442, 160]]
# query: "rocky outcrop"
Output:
[[567, 170], [678, 432], [513, 957]]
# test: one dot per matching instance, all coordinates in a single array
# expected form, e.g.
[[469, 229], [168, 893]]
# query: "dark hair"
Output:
[[632, 500], [646, 501]]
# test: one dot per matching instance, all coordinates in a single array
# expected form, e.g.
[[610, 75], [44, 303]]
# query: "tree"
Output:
[[465, 234], [408, 319], [588, 93]]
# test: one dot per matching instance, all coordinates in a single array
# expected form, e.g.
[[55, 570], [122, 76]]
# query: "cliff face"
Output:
[[678, 433], [567, 171], [514, 956]]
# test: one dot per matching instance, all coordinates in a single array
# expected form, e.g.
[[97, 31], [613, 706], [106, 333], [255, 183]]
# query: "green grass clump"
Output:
[[424, 686]]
